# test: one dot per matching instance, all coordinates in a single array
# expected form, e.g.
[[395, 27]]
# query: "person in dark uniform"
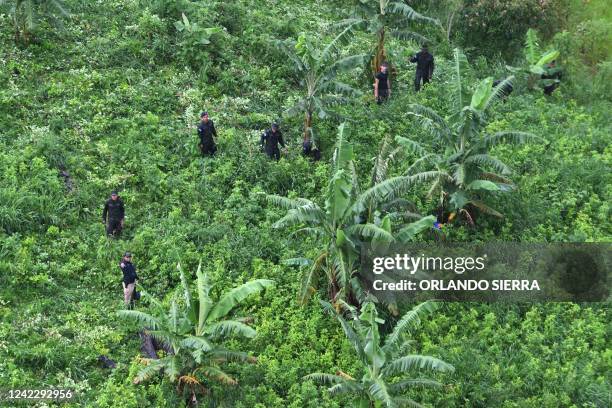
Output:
[[129, 279], [206, 131], [424, 68], [310, 150], [382, 84], [113, 215], [553, 74], [270, 140]]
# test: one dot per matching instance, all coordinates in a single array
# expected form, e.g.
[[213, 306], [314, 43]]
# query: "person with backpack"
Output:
[[113, 215], [130, 278]]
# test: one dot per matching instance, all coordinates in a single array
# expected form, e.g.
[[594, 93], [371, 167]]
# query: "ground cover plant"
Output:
[[106, 97]]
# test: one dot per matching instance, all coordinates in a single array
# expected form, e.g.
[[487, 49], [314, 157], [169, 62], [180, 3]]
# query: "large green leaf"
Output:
[[547, 58], [237, 295], [411, 230], [483, 185], [482, 93]]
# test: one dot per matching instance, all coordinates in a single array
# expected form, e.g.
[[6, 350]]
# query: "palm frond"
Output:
[[509, 137], [408, 12], [310, 277], [371, 231], [229, 300], [408, 232], [196, 342], [378, 390], [490, 161], [288, 203], [411, 383], [145, 319], [227, 328], [416, 361], [410, 320]]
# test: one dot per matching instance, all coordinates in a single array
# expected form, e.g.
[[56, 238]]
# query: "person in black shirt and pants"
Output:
[[382, 85], [129, 279], [206, 131], [270, 140], [113, 214], [424, 68]]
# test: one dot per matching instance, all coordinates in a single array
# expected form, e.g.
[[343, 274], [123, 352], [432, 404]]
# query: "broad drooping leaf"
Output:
[[483, 185]]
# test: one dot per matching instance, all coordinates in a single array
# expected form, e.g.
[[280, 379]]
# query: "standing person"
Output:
[[206, 131], [270, 140], [382, 84], [113, 215], [424, 68], [129, 279]]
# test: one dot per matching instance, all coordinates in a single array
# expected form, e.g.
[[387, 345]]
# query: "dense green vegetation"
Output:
[[110, 97]]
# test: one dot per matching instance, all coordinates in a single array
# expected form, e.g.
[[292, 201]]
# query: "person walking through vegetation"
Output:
[[424, 68], [270, 140], [206, 131], [129, 279], [113, 215], [382, 84], [551, 77]]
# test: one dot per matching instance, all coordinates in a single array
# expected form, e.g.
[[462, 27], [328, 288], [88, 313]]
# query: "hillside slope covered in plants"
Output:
[[109, 99]]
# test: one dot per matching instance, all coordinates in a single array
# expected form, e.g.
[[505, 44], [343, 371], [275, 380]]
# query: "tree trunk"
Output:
[[380, 55], [307, 125], [147, 347]]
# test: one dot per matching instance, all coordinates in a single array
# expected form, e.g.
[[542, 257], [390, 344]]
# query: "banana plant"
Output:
[[347, 222], [466, 171], [192, 329], [385, 363], [537, 62], [382, 18], [317, 71], [26, 15]]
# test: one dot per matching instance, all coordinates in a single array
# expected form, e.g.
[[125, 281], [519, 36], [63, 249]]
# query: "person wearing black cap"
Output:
[[424, 68], [206, 131], [270, 140], [129, 278], [113, 214]]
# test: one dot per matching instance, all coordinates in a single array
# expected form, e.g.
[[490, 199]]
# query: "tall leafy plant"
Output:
[[317, 71], [536, 61], [465, 169], [27, 14], [192, 329], [385, 363], [344, 224], [382, 18]]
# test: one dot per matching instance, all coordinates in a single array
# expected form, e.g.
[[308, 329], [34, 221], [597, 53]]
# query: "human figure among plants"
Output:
[[129, 279], [270, 140], [424, 68], [206, 131], [113, 215], [382, 84]]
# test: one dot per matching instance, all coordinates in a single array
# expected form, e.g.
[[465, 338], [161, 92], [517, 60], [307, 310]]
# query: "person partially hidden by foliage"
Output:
[[507, 89], [424, 68], [382, 84], [270, 140], [309, 149], [551, 78], [129, 279], [206, 131], [113, 215]]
